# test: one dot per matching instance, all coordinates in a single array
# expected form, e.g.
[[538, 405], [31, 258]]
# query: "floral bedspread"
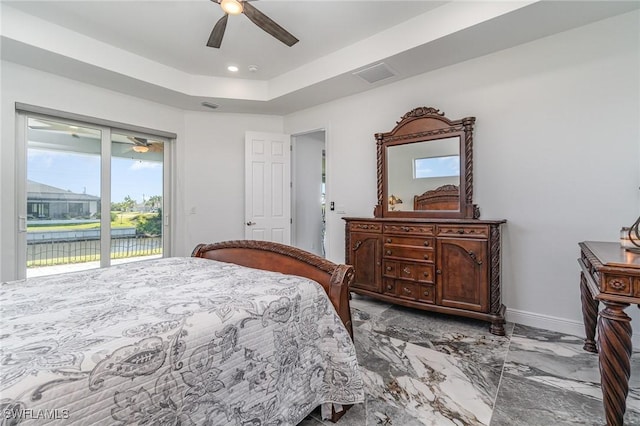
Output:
[[172, 341]]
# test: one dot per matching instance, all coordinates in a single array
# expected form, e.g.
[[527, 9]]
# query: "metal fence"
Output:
[[55, 252]]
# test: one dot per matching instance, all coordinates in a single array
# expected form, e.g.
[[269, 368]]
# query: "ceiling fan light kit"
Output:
[[235, 7], [140, 148], [232, 7]]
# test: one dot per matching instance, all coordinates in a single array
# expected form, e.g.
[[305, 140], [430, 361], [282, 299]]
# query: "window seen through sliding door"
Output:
[[94, 196]]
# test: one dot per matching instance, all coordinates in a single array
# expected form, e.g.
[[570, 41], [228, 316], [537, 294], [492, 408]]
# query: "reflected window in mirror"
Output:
[[436, 167], [426, 162], [413, 169]]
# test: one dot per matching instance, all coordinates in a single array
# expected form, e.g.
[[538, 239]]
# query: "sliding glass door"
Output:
[[94, 196], [136, 197]]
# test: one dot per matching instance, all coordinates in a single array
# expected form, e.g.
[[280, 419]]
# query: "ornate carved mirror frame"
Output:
[[426, 124]]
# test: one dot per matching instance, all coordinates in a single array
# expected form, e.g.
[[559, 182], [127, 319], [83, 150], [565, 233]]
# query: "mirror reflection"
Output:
[[424, 175]]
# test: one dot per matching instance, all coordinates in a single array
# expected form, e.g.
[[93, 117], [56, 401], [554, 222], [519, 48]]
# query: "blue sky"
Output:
[[80, 173], [437, 166]]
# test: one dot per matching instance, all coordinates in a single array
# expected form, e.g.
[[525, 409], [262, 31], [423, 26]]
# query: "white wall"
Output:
[[556, 153], [213, 204]]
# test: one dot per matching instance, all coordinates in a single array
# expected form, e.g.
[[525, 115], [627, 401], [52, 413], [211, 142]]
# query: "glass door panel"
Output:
[[136, 198], [63, 197]]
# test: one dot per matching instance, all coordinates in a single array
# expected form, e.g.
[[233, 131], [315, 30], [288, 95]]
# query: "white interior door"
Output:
[[268, 187]]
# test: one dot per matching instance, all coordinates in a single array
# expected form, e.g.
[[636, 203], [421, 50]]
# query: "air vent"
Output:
[[210, 105], [375, 73]]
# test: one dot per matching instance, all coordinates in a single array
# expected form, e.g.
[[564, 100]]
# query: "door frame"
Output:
[[294, 183]]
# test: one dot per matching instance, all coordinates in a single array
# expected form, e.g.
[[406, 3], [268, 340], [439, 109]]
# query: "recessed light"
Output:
[[232, 68]]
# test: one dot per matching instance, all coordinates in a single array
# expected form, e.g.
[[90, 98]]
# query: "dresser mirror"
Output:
[[425, 167]]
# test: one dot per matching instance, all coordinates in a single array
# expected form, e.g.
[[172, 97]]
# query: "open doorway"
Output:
[[308, 161]]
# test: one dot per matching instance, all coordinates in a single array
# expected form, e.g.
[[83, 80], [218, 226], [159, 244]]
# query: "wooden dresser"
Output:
[[426, 246], [450, 266]]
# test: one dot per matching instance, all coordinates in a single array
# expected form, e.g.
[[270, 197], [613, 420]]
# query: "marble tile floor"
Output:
[[423, 368]]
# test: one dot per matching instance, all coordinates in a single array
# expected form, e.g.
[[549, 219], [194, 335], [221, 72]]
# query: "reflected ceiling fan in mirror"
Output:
[[142, 145], [236, 7]]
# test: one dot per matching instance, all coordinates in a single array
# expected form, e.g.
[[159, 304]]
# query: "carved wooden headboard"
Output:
[[446, 197]]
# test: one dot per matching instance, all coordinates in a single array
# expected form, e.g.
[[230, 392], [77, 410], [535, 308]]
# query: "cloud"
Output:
[[145, 165]]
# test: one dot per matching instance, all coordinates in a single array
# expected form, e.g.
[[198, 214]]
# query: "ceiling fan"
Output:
[[236, 7], [143, 145]]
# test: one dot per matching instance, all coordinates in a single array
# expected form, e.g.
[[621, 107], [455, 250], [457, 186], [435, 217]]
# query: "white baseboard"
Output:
[[561, 325]]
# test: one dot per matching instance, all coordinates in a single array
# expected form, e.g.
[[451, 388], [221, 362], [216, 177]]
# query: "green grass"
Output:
[[123, 220]]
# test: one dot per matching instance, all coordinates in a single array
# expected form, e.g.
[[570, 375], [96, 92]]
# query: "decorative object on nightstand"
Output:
[[630, 237], [393, 200]]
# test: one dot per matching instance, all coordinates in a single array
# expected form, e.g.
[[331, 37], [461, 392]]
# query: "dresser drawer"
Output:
[[621, 285], [410, 241], [407, 290], [411, 253], [389, 269], [407, 271], [389, 286], [477, 231], [426, 293], [365, 227], [409, 228], [425, 273]]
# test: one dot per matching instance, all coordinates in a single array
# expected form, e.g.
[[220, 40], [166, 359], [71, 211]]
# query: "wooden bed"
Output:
[[270, 256], [277, 257], [445, 197], [219, 337]]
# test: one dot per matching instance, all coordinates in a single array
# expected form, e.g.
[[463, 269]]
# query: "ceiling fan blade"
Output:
[[267, 24], [215, 39], [138, 141]]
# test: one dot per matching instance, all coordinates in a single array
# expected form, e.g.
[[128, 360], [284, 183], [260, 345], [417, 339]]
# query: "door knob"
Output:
[[250, 223]]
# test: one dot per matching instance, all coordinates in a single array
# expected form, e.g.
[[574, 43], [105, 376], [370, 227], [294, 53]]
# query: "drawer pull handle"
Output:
[[389, 287], [407, 271], [388, 240], [426, 293], [406, 290], [389, 268], [426, 256], [438, 271], [426, 274], [426, 243], [388, 252]]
